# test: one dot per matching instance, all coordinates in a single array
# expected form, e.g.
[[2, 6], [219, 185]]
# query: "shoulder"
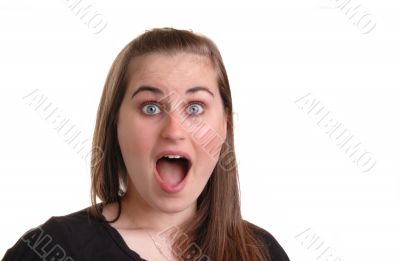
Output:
[[58, 238], [276, 252]]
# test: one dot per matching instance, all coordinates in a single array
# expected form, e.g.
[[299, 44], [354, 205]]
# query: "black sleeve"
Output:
[[274, 249], [276, 252], [38, 244], [22, 250]]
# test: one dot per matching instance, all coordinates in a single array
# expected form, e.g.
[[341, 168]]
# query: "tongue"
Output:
[[170, 171]]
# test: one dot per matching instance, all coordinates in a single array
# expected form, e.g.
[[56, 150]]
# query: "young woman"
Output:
[[165, 168]]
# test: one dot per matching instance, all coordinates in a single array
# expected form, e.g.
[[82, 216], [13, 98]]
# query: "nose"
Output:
[[173, 129]]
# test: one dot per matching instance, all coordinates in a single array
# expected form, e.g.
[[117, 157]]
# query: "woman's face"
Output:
[[172, 106]]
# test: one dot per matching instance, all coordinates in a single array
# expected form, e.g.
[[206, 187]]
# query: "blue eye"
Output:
[[195, 108], [151, 109]]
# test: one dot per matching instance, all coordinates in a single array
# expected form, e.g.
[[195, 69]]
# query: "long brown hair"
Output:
[[217, 229]]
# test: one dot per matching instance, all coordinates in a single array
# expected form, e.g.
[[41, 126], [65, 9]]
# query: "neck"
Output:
[[138, 214]]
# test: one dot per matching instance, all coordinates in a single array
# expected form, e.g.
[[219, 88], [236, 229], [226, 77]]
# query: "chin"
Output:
[[174, 205]]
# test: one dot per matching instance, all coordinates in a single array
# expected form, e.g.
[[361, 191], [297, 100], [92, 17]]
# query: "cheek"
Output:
[[209, 139], [135, 138]]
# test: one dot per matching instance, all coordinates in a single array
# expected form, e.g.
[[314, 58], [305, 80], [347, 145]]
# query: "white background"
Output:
[[294, 178]]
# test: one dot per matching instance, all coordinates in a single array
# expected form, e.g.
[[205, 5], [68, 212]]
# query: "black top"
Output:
[[79, 236]]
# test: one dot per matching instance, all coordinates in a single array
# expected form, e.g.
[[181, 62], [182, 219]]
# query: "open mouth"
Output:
[[172, 169]]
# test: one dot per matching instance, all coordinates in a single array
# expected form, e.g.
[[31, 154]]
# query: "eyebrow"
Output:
[[157, 91]]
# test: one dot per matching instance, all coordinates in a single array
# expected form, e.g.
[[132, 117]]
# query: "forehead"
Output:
[[172, 71]]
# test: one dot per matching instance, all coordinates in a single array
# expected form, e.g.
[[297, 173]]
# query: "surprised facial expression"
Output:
[[171, 126]]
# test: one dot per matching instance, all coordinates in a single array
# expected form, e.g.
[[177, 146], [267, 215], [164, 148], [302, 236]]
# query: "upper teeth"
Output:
[[173, 156]]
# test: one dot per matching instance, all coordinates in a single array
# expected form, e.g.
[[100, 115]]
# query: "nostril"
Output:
[[173, 129]]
